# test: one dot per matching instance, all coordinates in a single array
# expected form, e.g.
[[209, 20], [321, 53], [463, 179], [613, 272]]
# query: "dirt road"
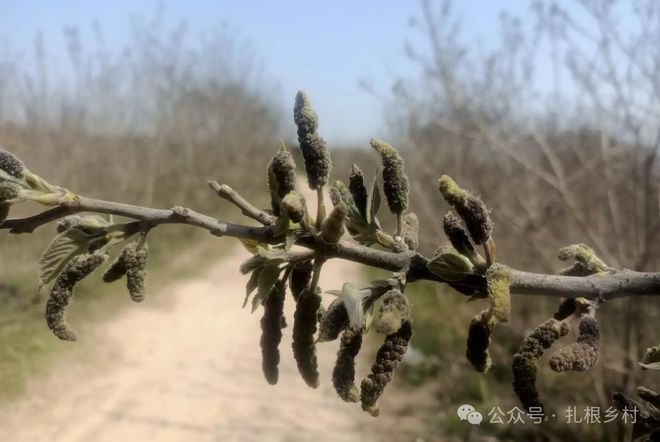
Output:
[[185, 365]]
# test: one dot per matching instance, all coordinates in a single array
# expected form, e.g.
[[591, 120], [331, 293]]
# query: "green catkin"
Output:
[[457, 235], [295, 206], [583, 255], [62, 293], [469, 207], [8, 191], [524, 361], [343, 193], [395, 181], [117, 270], [389, 355], [481, 327], [498, 279], [411, 231], [358, 190], [332, 228], [313, 147], [394, 310], [271, 332], [136, 262], [11, 165], [333, 321], [565, 309], [301, 275], [343, 374], [581, 355], [304, 328]]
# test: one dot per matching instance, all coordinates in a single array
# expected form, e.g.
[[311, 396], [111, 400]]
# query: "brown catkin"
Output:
[[389, 355], [333, 321], [358, 190], [281, 177], [581, 355], [117, 270], [332, 228], [565, 309], [469, 207], [343, 375], [394, 310], [11, 165], [301, 275], [62, 293], [524, 361], [481, 327], [457, 235], [136, 263], [395, 181], [304, 328], [271, 332], [313, 147]]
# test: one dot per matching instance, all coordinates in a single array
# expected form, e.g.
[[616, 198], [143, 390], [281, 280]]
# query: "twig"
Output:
[[227, 193]]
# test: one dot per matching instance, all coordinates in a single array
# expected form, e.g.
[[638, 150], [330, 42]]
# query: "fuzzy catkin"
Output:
[[389, 355], [411, 230], [313, 147], [294, 205], [524, 361], [358, 190], [11, 165], [394, 310], [481, 327], [271, 332], [62, 292], [332, 228], [581, 355], [583, 255], [8, 191], [395, 181], [136, 263], [343, 374], [469, 207], [457, 235], [301, 275], [498, 279], [333, 321], [117, 270], [304, 327]]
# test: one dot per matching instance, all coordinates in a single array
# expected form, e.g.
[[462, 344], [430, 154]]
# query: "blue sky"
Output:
[[324, 48]]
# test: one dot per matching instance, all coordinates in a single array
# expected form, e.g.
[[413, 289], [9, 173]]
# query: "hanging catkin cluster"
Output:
[[343, 375], [136, 263], [313, 147], [281, 177], [389, 355], [304, 328], [62, 292], [333, 321], [581, 355], [395, 181], [524, 361], [301, 275], [358, 190], [481, 327], [469, 207], [271, 332]]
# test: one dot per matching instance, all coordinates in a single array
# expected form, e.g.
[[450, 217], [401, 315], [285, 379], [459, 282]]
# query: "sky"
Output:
[[324, 48]]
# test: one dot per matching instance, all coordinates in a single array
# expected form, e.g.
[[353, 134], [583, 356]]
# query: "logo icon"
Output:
[[466, 412]]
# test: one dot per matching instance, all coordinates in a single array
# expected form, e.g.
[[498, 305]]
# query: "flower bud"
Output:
[[394, 310], [295, 206], [332, 228], [457, 235], [312, 146], [62, 292], [388, 358], [343, 375], [304, 327], [470, 208], [8, 191], [581, 355], [358, 190], [281, 177], [395, 181], [11, 165], [583, 255], [271, 332]]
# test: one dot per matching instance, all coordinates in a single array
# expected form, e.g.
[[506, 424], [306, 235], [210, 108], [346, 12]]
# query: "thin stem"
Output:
[[227, 193], [399, 224], [320, 209]]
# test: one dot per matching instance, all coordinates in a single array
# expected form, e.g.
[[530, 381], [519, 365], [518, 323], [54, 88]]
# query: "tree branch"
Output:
[[227, 193], [617, 284]]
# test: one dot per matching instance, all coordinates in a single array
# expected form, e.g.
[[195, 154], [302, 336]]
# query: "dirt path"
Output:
[[186, 366]]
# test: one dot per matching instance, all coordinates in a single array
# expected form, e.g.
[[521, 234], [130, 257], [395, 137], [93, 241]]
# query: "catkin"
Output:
[[313, 147], [332, 228], [388, 358], [524, 361], [11, 165], [333, 321], [565, 309], [117, 270], [581, 355], [395, 181], [394, 310], [271, 332], [481, 327], [457, 235], [295, 206], [343, 374], [281, 177], [301, 275], [498, 279], [358, 190], [62, 293], [411, 230], [469, 207], [8, 191], [343, 193], [583, 255], [304, 327], [136, 262]]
